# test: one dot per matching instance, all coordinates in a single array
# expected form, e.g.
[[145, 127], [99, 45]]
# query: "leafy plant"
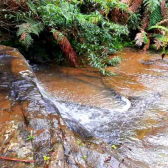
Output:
[[30, 137], [26, 29], [85, 157], [114, 147], [90, 35], [115, 61], [152, 4], [155, 16], [46, 159], [163, 38]]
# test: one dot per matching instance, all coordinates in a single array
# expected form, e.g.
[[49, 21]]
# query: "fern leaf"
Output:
[[152, 4], [23, 28], [26, 29], [155, 16], [37, 28], [159, 27], [145, 38], [26, 40], [32, 6]]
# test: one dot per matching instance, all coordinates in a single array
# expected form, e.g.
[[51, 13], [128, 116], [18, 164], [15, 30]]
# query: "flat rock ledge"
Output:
[[32, 128]]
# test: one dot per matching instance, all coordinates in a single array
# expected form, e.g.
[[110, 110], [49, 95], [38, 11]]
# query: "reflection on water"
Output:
[[129, 110]]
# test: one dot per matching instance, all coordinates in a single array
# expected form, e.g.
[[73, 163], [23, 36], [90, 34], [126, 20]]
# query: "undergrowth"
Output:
[[90, 33]]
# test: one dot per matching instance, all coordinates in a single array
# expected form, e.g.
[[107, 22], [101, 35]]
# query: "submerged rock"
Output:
[[32, 128]]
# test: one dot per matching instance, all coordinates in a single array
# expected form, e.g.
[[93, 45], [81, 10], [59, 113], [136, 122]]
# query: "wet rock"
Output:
[[57, 157], [31, 125], [77, 128], [147, 62]]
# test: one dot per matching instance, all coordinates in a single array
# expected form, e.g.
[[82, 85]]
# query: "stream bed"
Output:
[[129, 110]]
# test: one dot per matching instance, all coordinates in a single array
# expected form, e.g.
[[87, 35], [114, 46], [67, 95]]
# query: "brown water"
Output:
[[31, 126], [129, 110]]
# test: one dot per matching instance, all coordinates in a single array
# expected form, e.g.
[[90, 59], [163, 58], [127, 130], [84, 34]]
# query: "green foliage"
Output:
[[115, 61], [162, 38], [159, 27], [99, 43], [134, 21], [26, 29], [30, 137], [152, 4], [155, 16], [107, 4], [145, 38], [114, 147], [165, 118], [159, 37], [98, 36], [46, 159], [90, 33], [85, 157]]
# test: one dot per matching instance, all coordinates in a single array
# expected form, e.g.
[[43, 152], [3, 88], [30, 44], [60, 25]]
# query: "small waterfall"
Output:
[[88, 116]]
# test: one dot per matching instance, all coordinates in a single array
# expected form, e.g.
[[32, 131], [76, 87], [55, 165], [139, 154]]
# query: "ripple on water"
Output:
[[135, 122]]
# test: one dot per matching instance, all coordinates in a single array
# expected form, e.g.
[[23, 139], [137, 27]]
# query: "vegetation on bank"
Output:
[[85, 31]]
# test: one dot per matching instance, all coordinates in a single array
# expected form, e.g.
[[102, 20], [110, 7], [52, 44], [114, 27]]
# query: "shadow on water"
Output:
[[129, 110]]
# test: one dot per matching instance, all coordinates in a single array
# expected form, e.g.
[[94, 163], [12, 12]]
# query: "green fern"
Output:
[[159, 27], [155, 16], [26, 29], [32, 6], [152, 4], [26, 40], [145, 38], [163, 39]]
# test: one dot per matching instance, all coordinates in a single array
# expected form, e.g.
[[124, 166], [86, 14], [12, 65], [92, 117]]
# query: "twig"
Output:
[[17, 160]]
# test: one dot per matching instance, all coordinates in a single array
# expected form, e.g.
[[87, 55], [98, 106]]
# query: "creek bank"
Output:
[[23, 109]]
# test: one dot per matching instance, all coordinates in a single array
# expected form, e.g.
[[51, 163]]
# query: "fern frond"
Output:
[[145, 38], [152, 4], [26, 29], [155, 16], [26, 39], [32, 6], [164, 38], [159, 27], [42, 2], [23, 28]]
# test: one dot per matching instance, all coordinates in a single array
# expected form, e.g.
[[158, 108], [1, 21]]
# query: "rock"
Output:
[[57, 157], [78, 128], [31, 125], [147, 62]]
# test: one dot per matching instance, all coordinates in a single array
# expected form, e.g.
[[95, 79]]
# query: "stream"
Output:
[[129, 110]]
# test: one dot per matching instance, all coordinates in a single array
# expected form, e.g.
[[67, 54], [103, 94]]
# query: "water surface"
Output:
[[129, 110]]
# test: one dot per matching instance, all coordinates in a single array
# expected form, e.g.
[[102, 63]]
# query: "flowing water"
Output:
[[129, 110]]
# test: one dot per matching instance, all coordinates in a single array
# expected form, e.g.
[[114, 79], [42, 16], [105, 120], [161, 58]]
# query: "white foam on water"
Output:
[[88, 117]]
